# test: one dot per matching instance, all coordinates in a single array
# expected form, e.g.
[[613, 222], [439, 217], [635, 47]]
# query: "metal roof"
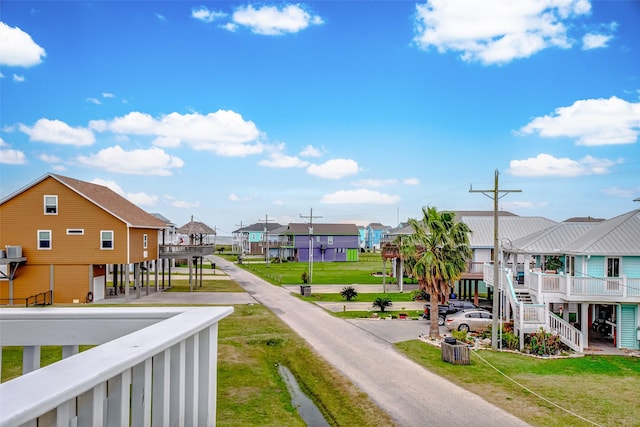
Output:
[[551, 240], [617, 236], [509, 227]]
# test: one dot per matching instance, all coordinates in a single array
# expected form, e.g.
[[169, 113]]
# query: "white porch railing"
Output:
[[572, 337], [530, 317], [150, 366]]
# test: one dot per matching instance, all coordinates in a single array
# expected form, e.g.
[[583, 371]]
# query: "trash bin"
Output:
[[213, 265], [305, 290], [450, 340]]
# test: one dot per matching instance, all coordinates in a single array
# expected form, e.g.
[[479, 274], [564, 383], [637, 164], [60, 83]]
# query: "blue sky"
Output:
[[233, 112]]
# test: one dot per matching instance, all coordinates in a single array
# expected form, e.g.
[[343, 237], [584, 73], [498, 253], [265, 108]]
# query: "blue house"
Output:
[[373, 235], [581, 280], [326, 242]]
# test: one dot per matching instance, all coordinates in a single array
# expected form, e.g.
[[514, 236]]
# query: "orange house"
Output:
[[60, 234]]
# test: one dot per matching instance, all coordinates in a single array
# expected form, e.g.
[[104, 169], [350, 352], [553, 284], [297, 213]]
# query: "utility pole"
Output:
[[310, 217], [241, 251], [495, 194], [266, 237]]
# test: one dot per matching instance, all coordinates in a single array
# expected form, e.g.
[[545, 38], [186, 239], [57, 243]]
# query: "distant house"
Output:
[[361, 238], [252, 239], [373, 236], [61, 234], [326, 243]]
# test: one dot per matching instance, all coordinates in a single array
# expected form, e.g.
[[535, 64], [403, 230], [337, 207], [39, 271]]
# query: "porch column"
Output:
[[400, 275], [475, 293], [126, 281], [584, 323]]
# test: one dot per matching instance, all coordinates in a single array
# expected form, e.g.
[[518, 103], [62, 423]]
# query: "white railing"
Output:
[[150, 366], [572, 337], [591, 286], [633, 287]]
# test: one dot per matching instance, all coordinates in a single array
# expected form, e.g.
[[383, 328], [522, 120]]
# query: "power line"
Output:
[[496, 193]]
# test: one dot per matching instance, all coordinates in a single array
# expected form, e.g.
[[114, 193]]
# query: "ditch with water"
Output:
[[308, 410]]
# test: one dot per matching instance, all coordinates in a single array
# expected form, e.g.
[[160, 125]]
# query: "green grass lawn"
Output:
[[602, 389], [341, 273]]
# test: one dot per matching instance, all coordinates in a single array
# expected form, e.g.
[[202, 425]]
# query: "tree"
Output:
[[436, 254], [382, 303], [349, 293]]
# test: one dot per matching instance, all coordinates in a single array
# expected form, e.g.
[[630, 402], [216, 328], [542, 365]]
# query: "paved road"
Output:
[[410, 394]]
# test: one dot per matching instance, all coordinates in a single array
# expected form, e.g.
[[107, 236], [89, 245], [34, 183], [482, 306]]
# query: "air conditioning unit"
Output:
[[14, 251]]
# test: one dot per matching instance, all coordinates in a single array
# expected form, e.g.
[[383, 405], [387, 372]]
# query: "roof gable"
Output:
[[103, 197]]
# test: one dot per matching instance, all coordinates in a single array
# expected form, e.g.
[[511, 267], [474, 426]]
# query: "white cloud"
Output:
[[17, 48], [9, 156], [375, 182], [235, 198], [112, 185], [595, 41], [625, 193], [153, 161], [94, 101], [18, 79], [591, 122], [143, 199], [274, 21], [360, 196], [547, 165], [411, 181], [49, 158], [514, 205], [108, 95], [224, 132], [310, 151], [498, 31], [160, 17], [334, 169], [58, 132], [279, 160], [182, 204], [205, 15]]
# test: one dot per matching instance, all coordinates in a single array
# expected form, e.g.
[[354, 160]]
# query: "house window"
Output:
[[330, 240], [613, 267], [106, 239], [75, 231], [50, 205], [44, 239], [145, 241], [318, 239]]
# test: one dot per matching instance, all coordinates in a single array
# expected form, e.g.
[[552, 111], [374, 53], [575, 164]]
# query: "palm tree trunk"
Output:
[[434, 328]]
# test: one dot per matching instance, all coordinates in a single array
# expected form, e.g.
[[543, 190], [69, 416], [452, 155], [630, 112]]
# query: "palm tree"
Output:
[[436, 255], [382, 303]]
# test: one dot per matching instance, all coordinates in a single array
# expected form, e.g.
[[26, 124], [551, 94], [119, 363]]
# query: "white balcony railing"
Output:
[[150, 366]]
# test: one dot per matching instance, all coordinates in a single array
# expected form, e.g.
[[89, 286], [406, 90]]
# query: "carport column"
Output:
[[400, 274], [584, 323], [126, 282], [565, 312]]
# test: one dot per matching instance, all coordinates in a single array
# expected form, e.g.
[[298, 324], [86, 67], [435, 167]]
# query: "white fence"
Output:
[[150, 366]]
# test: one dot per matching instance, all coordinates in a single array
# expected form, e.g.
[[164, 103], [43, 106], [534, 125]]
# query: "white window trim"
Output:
[[45, 204], [145, 241], [75, 231], [39, 240], [102, 248]]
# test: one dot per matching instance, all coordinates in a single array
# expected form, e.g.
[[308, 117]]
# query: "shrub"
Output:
[[305, 277], [382, 303], [349, 293], [419, 294], [460, 335], [510, 341], [543, 343]]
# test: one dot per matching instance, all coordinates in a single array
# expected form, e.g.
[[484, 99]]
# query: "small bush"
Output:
[[305, 277], [419, 294], [349, 293], [382, 303], [543, 343], [510, 341]]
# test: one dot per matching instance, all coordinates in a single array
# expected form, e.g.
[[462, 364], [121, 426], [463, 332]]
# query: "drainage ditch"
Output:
[[308, 410]]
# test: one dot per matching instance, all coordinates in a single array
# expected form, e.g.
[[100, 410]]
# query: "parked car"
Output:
[[445, 309], [472, 320]]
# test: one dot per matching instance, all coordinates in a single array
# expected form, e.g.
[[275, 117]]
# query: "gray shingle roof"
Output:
[[323, 229]]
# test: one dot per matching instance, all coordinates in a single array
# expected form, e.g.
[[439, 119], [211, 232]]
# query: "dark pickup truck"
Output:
[[443, 309]]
